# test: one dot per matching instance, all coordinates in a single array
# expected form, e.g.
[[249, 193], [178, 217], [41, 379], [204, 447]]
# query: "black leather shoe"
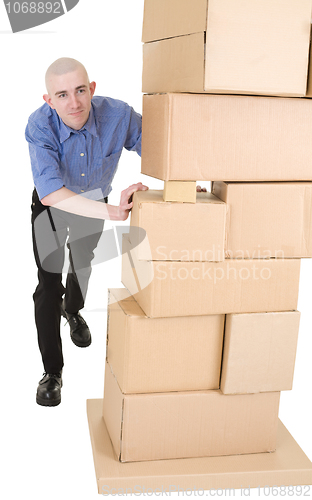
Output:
[[79, 330], [49, 389]]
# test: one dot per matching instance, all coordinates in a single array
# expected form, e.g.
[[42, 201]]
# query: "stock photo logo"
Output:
[[28, 14]]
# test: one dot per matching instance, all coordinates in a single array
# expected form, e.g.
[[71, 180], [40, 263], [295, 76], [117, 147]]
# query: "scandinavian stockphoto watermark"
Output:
[[211, 271], [24, 15], [52, 236], [215, 254]]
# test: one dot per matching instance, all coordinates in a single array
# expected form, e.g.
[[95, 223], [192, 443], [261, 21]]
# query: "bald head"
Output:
[[69, 91], [63, 66]]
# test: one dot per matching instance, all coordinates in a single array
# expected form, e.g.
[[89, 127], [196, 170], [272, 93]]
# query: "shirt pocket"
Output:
[[104, 170]]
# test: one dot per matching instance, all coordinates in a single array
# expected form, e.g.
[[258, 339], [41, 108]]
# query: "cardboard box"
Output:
[[178, 231], [229, 46], [288, 465], [267, 219], [259, 352], [158, 426], [181, 191], [165, 289], [226, 138], [170, 18], [309, 87], [162, 354]]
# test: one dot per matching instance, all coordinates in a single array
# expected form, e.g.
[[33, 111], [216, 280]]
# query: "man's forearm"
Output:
[[68, 201]]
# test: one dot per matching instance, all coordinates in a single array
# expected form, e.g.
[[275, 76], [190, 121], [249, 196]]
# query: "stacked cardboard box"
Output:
[[225, 46], [199, 352]]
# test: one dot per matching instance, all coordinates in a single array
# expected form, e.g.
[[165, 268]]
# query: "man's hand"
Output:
[[126, 202]]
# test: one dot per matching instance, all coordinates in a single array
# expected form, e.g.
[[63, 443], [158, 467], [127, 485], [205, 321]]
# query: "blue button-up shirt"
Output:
[[86, 159]]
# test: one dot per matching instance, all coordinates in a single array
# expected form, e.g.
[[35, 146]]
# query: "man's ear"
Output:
[[47, 99], [92, 88]]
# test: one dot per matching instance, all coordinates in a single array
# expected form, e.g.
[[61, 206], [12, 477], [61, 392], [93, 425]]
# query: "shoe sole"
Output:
[[45, 402]]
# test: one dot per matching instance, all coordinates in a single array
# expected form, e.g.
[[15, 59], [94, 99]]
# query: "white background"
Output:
[[46, 452]]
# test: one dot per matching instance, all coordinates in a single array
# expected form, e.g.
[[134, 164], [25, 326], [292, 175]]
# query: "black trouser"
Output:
[[51, 229]]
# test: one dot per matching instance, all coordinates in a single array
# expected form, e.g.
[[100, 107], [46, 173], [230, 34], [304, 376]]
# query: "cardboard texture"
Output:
[[157, 426], [162, 354], [288, 465], [267, 219], [226, 138], [229, 46], [165, 289], [259, 352], [172, 229], [181, 191]]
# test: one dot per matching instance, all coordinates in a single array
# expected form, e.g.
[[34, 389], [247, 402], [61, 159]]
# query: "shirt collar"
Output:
[[90, 126]]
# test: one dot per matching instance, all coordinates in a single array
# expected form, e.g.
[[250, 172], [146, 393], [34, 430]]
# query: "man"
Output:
[[75, 142]]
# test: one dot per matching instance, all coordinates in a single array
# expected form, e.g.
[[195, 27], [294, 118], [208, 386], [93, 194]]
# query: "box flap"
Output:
[[169, 18], [174, 65], [127, 303]]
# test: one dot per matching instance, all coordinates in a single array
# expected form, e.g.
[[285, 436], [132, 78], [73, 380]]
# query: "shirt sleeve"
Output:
[[134, 134], [44, 158]]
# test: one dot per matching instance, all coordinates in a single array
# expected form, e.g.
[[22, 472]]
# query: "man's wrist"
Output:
[[122, 214], [116, 213]]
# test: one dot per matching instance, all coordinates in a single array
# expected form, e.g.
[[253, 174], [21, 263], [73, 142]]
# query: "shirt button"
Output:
[[81, 154], [82, 190], [82, 175]]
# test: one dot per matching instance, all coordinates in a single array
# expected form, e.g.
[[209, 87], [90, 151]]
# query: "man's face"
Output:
[[70, 95]]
